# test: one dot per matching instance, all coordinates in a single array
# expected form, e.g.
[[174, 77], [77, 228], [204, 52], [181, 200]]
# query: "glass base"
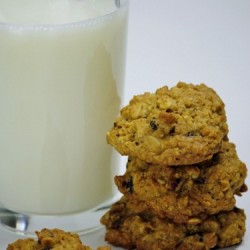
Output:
[[28, 224]]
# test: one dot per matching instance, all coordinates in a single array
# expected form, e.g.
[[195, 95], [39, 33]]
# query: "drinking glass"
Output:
[[61, 86]]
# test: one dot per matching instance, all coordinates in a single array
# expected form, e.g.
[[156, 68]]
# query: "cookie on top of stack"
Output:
[[182, 173]]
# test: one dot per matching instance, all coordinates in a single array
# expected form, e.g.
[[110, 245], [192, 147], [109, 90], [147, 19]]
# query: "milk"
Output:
[[60, 89]]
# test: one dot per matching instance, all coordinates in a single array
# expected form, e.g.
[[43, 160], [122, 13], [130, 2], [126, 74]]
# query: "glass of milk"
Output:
[[61, 86]]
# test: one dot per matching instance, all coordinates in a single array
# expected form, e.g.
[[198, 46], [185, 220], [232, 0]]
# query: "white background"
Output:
[[193, 41]]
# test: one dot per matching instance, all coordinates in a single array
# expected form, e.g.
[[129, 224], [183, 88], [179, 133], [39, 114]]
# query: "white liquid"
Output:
[[53, 11], [60, 89]]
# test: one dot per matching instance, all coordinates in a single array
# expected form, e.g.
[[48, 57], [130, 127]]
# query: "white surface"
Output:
[[193, 41]]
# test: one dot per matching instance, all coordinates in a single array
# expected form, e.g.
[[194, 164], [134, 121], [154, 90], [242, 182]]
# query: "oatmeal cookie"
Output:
[[52, 239], [25, 244], [145, 231], [56, 238], [182, 125], [181, 192]]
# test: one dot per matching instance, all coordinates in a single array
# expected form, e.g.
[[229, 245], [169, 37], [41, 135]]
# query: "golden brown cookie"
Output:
[[54, 239], [183, 192], [26, 244], [145, 231], [178, 126]]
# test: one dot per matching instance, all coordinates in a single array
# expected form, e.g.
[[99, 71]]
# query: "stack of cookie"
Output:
[[182, 173]]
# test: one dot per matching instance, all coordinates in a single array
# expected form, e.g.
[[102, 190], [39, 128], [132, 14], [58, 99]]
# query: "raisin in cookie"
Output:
[[181, 192], [54, 239], [145, 231], [178, 126]]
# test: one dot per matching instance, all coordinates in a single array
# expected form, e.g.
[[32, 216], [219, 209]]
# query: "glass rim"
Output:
[[120, 4]]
